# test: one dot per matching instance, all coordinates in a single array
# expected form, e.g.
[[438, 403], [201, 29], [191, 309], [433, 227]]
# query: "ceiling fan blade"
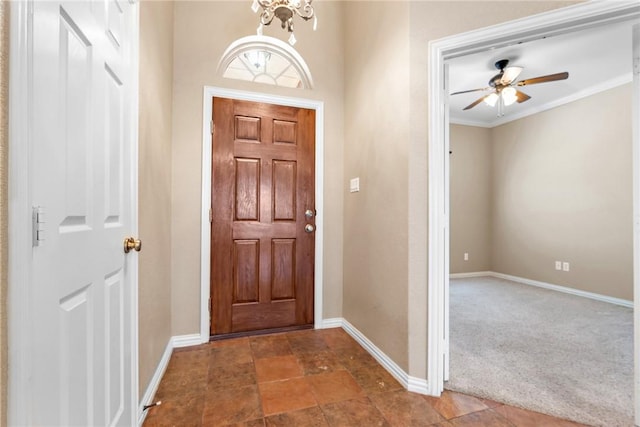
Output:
[[544, 79], [521, 96], [470, 90], [470, 106], [510, 74]]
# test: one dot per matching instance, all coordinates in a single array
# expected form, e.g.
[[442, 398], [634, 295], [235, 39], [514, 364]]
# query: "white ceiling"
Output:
[[596, 59]]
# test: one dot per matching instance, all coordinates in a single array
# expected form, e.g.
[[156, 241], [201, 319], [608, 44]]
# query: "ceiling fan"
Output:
[[504, 87]]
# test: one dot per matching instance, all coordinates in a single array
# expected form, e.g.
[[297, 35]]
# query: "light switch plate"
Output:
[[354, 185]]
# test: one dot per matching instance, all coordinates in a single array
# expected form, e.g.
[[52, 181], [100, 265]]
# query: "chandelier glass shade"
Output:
[[285, 11]]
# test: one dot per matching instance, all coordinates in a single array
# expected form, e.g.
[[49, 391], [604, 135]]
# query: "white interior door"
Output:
[[83, 367]]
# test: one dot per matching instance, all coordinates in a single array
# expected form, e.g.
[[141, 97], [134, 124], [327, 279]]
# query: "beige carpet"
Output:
[[543, 350]]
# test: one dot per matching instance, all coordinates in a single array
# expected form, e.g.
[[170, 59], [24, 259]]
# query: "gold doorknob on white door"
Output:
[[132, 243]]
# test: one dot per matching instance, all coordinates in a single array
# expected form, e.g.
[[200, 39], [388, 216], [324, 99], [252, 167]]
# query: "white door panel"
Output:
[[83, 83]]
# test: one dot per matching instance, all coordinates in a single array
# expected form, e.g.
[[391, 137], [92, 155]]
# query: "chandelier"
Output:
[[284, 10]]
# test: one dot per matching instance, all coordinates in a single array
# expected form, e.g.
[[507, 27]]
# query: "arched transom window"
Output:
[[263, 59]]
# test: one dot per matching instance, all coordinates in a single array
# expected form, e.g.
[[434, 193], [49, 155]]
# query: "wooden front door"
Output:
[[263, 216]]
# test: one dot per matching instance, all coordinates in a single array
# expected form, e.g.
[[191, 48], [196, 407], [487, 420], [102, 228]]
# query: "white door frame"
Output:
[[20, 292], [205, 261], [19, 295], [636, 215], [550, 23]]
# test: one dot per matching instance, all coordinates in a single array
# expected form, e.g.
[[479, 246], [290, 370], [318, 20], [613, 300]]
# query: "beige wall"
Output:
[[562, 190], [4, 202], [376, 134], [555, 186], [470, 195], [203, 30], [156, 84]]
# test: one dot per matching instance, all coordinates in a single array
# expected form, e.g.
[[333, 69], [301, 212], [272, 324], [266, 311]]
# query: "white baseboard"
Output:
[[414, 384], [558, 288], [473, 274], [417, 385], [386, 362], [155, 381], [179, 341], [335, 322]]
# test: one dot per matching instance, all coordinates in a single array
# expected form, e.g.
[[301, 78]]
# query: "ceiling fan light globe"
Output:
[[491, 99], [509, 95], [508, 100]]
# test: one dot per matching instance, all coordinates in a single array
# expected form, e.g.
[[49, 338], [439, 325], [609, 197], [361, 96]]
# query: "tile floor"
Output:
[[309, 378]]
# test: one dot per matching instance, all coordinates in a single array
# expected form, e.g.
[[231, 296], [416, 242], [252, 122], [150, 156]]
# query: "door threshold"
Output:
[[242, 334]]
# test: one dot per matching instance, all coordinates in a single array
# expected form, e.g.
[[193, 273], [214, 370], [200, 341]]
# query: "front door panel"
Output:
[[262, 185]]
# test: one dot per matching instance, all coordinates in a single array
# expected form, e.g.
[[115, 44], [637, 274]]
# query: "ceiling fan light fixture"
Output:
[[509, 95], [491, 99], [504, 86]]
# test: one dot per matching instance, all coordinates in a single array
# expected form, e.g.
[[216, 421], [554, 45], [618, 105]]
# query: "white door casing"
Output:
[[447, 225], [636, 214], [77, 356]]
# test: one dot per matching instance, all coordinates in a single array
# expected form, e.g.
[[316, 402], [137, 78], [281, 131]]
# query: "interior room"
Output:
[[542, 196], [133, 172]]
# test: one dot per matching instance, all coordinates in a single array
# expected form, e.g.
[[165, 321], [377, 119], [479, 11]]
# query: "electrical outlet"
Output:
[[466, 256], [558, 265], [565, 266]]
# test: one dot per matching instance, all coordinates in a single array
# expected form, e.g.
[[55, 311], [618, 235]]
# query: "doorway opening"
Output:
[[551, 23]]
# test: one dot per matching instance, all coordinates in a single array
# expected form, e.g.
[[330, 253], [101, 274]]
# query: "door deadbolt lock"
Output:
[[132, 243], [308, 214], [309, 228]]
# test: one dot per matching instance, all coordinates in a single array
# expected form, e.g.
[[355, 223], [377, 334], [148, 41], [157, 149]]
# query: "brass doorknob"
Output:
[[132, 243]]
